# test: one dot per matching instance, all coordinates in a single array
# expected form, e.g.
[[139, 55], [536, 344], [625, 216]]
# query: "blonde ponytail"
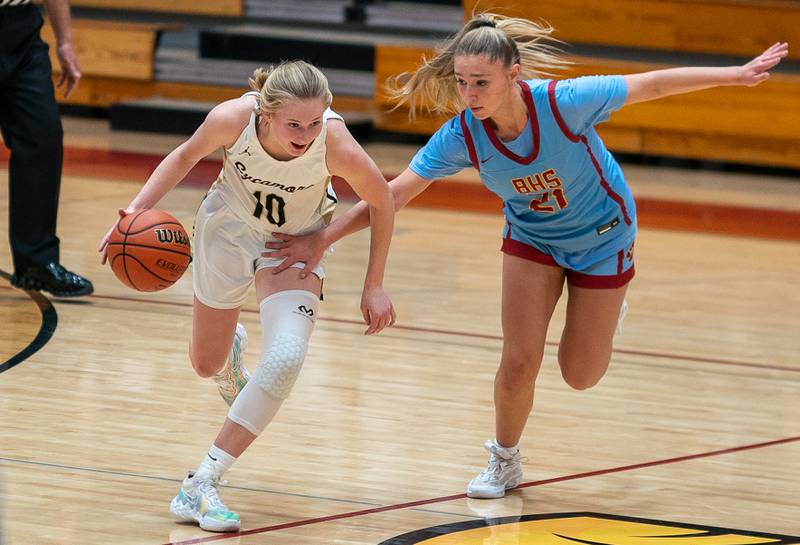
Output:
[[510, 40], [280, 83]]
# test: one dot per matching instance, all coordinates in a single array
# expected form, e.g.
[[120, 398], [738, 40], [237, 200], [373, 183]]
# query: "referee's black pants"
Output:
[[31, 129]]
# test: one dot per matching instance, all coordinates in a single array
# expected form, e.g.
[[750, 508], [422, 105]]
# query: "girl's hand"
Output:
[[307, 249], [757, 70], [103, 247], [377, 309]]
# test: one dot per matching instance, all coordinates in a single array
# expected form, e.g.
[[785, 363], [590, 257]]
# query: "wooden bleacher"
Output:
[[226, 8], [759, 125], [117, 57], [117, 60], [111, 49], [729, 27]]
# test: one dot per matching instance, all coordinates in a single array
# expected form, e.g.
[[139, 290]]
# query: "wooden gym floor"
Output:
[[696, 427]]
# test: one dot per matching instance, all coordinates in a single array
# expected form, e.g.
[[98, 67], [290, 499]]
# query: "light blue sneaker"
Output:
[[234, 376], [198, 500]]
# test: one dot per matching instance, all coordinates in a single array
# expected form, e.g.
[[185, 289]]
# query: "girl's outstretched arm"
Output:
[[346, 158], [220, 128], [673, 81], [310, 248]]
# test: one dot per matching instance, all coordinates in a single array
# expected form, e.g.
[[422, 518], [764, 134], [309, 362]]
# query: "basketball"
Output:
[[149, 250]]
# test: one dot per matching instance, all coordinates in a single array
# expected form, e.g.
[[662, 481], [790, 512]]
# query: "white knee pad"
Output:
[[253, 408], [287, 320], [280, 366]]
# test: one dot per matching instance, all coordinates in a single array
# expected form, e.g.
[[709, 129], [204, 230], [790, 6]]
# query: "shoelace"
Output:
[[493, 469], [209, 490]]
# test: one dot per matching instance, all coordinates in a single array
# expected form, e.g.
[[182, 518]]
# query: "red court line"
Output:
[[124, 165], [442, 499], [627, 351], [467, 334], [461, 496]]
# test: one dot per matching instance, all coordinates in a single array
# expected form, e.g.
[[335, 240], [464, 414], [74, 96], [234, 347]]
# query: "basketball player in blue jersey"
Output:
[[570, 216], [281, 145]]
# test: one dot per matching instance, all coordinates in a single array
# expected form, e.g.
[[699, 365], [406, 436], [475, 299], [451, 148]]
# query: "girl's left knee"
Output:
[[582, 377]]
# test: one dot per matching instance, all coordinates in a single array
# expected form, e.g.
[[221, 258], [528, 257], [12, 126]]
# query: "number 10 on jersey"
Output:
[[274, 205]]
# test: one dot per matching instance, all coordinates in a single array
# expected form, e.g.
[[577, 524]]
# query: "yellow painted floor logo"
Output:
[[583, 529]]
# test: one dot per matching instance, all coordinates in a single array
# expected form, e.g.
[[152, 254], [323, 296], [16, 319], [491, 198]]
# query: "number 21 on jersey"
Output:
[[550, 191]]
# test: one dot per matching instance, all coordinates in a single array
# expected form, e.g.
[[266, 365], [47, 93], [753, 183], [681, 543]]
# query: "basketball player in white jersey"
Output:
[[282, 144]]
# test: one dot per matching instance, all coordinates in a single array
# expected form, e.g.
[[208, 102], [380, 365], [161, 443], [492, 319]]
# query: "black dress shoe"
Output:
[[54, 279]]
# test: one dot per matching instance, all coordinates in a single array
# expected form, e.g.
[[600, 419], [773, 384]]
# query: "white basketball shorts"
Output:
[[226, 253]]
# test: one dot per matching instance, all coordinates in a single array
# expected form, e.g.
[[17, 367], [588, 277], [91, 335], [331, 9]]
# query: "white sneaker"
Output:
[[198, 500], [234, 376], [503, 472]]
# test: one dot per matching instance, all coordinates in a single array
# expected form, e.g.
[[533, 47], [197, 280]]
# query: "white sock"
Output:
[[216, 461], [512, 449]]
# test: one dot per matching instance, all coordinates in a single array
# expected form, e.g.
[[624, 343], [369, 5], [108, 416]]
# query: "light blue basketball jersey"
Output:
[[562, 190]]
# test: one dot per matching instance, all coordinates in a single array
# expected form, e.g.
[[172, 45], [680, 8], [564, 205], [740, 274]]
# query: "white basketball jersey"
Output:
[[292, 197]]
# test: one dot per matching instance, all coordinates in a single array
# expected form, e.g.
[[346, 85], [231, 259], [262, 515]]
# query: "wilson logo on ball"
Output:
[[168, 236]]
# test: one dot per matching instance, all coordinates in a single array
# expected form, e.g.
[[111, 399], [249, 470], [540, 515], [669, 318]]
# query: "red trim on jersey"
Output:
[[551, 95], [603, 182], [520, 249], [605, 282], [473, 156], [487, 126], [620, 261]]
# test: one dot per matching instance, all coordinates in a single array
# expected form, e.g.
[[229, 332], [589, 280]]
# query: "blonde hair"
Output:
[[510, 40], [281, 83]]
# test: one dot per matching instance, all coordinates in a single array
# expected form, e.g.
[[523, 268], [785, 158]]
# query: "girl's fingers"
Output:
[[275, 254]]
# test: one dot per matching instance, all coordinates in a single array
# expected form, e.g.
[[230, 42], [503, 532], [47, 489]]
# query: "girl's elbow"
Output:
[[183, 156], [383, 202]]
